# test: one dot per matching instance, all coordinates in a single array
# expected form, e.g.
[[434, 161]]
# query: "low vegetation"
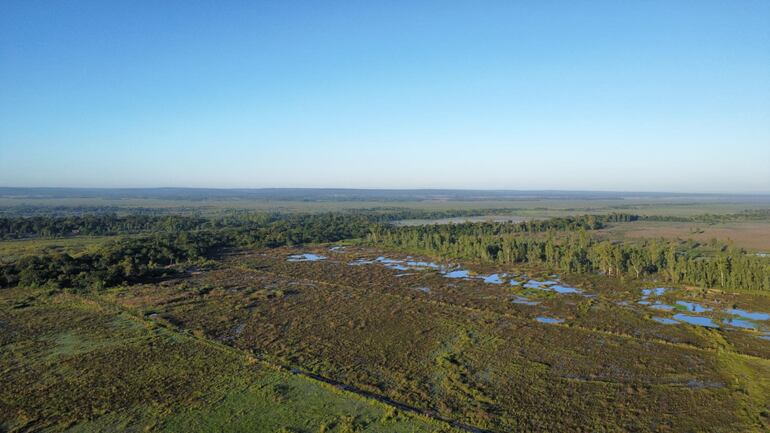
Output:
[[316, 322]]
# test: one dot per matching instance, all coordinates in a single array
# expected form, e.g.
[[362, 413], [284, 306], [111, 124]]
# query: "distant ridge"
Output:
[[350, 194]]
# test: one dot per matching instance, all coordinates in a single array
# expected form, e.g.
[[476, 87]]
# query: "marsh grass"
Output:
[[465, 351], [72, 364]]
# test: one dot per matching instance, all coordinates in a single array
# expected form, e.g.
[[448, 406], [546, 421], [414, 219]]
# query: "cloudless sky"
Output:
[[586, 95]]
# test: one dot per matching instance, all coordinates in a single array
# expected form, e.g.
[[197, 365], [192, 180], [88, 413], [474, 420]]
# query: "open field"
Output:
[[313, 323], [12, 249], [71, 363], [521, 204], [385, 217], [462, 349], [754, 236]]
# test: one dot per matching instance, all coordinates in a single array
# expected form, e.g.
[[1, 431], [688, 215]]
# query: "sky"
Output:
[[575, 95]]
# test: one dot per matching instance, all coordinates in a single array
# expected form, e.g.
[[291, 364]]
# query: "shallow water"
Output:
[[386, 260], [551, 320], [658, 291], [534, 284], [521, 300], [423, 264], [460, 273], [493, 279], [360, 262], [743, 320], [748, 314], [306, 257], [549, 285], [564, 289], [739, 323], [693, 307], [399, 265], [696, 320], [665, 320]]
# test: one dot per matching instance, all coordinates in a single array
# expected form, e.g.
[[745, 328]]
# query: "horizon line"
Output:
[[415, 189]]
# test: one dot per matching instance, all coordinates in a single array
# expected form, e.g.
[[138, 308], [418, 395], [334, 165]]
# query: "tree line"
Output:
[[565, 244], [123, 261], [578, 251], [177, 240]]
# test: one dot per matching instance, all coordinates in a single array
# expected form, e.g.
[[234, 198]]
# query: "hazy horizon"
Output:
[[525, 192], [606, 96], [375, 188]]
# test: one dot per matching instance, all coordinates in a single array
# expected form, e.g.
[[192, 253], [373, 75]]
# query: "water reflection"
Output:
[[696, 320], [740, 323], [693, 307], [307, 257], [665, 320], [522, 300], [748, 314], [492, 279], [460, 273], [551, 320]]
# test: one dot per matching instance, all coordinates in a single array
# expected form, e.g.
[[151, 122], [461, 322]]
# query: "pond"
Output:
[[387, 261], [747, 314], [658, 291], [551, 320], [740, 323], [550, 285], [535, 284], [492, 279], [423, 264], [460, 273], [306, 257], [695, 320], [693, 307], [665, 320], [360, 262], [522, 300], [558, 288]]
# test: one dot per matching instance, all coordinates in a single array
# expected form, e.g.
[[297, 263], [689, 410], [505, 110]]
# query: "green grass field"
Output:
[[530, 208], [751, 235], [74, 364], [13, 249], [253, 342], [464, 351]]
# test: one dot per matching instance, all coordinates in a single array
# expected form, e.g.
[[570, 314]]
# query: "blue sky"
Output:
[[585, 95]]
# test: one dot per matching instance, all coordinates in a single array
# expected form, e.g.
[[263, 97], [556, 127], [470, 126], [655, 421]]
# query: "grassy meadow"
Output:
[[361, 337]]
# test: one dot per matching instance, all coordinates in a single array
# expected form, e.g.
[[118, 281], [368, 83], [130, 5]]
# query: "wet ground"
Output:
[[502, 349], [682, 311]]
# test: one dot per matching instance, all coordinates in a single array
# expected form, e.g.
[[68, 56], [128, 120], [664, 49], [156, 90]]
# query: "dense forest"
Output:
[[126, 260], [567, 246], [563, 244], [167, 241], [101, 224], [299, 228]]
